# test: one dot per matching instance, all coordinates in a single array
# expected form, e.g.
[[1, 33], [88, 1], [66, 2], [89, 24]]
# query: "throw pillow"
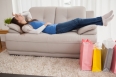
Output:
[[12, 31], [90, 32], [14, 27], [86, 29]]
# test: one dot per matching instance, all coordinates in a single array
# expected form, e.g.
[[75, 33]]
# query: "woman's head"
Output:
[[15, 21], [18, 19]]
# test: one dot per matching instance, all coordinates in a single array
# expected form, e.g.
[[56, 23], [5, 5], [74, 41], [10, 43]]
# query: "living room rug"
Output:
[[45, 66]]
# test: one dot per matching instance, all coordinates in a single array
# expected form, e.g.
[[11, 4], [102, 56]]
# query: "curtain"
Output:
[[24, 5], [100, 7]]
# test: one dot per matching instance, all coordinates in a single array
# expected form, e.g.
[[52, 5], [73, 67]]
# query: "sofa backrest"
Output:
[[60, 14], [46, 14], [67, 13]]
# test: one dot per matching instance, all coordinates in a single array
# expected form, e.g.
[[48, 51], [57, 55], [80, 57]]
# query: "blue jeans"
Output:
[[76, 24]]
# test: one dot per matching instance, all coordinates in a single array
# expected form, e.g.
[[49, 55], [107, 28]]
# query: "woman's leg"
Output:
[[77, 23]]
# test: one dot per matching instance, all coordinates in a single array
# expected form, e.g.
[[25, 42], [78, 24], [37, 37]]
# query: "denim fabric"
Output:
[[76, 24]]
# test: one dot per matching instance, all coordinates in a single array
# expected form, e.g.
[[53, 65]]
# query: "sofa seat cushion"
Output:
[[69, 37]]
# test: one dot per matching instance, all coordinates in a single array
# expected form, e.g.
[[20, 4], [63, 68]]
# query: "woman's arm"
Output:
[[27, 15], [29, 29]]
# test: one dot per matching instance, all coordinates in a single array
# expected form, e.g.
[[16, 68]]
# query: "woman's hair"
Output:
[[14, 21]]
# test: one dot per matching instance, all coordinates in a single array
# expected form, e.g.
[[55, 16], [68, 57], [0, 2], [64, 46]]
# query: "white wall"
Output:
[[5, 12]]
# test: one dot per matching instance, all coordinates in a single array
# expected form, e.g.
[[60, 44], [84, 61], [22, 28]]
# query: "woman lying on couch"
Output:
[[35, 26]]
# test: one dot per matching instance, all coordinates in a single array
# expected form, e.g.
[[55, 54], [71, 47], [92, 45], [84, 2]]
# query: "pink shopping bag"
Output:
[[113, 65], [86, 54]]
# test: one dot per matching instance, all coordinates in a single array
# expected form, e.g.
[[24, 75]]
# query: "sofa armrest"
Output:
[[89, 14]]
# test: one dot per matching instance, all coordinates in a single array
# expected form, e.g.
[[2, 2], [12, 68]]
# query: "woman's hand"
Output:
[[15, 14], [48, 23]]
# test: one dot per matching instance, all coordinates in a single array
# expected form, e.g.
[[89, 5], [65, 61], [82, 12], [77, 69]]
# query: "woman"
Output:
[[35, 26]]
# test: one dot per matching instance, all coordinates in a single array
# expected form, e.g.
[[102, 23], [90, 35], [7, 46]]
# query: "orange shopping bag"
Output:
[[86, 53]]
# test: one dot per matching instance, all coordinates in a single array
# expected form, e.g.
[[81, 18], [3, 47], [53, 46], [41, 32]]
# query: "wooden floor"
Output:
[[3, 46]]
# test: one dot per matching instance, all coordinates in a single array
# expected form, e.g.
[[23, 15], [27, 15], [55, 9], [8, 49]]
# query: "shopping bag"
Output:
[[113, 65], [107, 53], [86, 52], [96, 67]]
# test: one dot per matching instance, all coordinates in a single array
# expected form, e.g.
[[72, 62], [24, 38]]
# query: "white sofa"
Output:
[[57, 45]]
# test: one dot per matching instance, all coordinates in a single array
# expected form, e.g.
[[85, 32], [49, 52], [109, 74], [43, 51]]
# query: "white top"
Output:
[[28, 28]]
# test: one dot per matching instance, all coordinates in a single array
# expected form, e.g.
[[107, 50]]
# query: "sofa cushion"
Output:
[[14, 27], [69, 37], [12, 31], [91, 32], [46, 14], [85, 29], [68, 13]]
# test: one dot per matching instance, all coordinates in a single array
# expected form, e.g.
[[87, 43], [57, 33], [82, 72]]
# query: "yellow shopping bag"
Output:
[[96, 67]]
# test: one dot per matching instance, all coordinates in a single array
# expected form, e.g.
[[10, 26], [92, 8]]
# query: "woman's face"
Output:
[[19, 18]]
